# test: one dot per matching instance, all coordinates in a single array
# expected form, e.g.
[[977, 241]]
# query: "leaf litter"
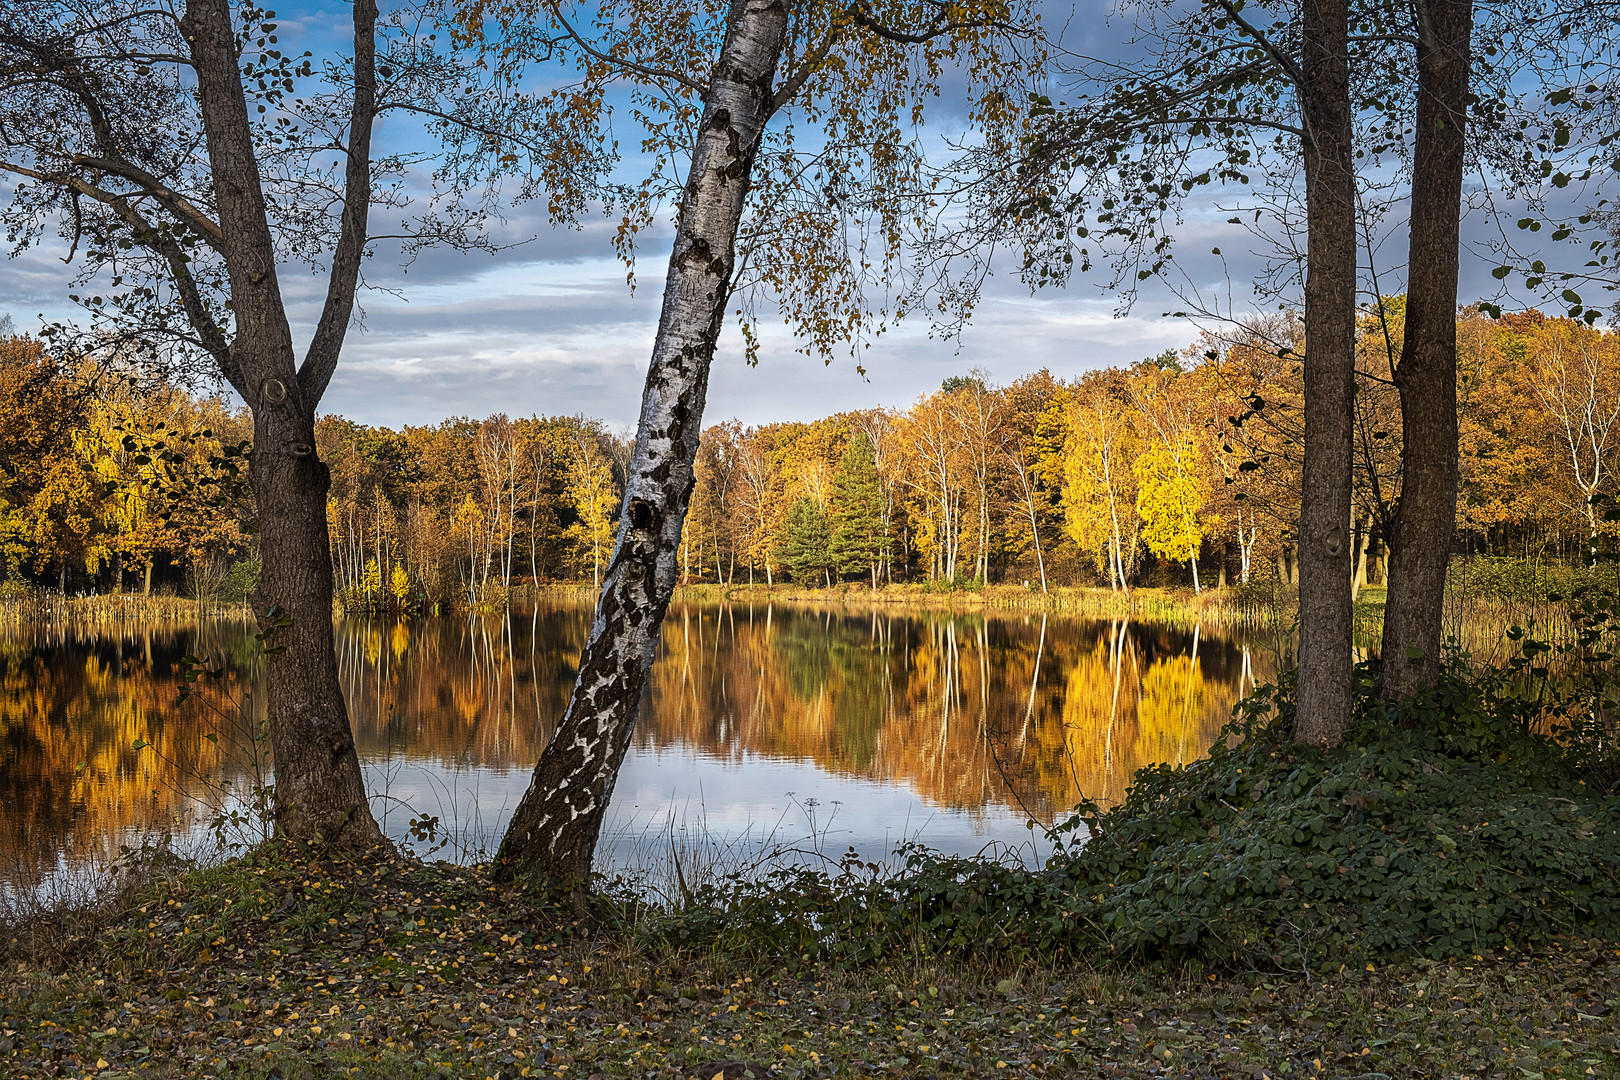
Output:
[[281, 970]]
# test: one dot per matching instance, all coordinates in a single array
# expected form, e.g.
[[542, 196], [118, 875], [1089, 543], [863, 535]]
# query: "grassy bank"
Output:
[[38, 607], [267, 968], [1230, 606]]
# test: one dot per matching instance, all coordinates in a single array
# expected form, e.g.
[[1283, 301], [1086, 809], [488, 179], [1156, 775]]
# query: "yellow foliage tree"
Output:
[[1170, 496], [1098, 488], [399, 583], [592, 493]]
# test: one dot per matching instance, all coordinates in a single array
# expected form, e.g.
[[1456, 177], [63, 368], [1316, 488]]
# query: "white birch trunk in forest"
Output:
[[555, 827]]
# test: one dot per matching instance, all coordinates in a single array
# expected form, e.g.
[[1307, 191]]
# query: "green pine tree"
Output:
[[858, 540], [804, 541]]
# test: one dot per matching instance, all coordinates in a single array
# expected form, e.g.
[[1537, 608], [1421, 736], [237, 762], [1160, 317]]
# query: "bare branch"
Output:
[[321, 360], [173, 201], [649, 70]]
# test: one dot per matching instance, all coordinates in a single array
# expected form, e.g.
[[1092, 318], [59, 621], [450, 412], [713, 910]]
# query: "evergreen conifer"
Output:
[[805, 539], [858, 540]]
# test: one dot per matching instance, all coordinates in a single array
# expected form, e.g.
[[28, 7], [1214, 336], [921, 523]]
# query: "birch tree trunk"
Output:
[[1323, 710], [1425, 518], [555, 828]]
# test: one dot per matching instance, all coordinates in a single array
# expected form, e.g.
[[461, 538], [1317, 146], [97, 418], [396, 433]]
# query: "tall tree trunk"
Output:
[[1425, 517], [319, 793], [555, 827], [1330, 349]]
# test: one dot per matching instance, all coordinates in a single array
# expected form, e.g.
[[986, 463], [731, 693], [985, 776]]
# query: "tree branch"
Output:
[[157, 240], [321, 360], [648, 70], [1280, 58], [461, 122], [863, 19], [173, 201], [790, 86]]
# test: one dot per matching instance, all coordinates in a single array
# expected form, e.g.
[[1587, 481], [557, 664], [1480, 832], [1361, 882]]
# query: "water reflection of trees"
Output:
[[965, 710], [94, 746], [968, 711]]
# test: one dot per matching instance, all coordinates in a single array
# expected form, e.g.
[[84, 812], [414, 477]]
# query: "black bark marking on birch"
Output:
[[741, 160], [695, 252]]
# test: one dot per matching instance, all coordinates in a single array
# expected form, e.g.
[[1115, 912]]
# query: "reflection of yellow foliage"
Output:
[[1170, 713], [1099, 702], [98, 747], [399, 640]]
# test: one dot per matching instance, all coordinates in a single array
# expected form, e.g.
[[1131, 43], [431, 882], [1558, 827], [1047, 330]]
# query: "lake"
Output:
[[768, 731]]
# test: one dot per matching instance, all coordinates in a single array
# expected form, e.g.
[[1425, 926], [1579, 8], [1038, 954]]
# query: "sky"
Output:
[[550, 327]]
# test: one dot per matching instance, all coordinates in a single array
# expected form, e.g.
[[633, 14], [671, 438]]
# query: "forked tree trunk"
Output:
[[555, 827], [1330, 335], [319, 793], [1425, 517]]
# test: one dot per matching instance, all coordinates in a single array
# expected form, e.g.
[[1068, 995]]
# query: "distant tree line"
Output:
[[1183, 468], [1180, 469]]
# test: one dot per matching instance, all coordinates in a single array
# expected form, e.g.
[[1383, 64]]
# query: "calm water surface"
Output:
[[763, 727]]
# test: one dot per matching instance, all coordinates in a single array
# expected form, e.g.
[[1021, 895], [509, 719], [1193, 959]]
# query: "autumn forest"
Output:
[[1246, 708], [1180, 470]]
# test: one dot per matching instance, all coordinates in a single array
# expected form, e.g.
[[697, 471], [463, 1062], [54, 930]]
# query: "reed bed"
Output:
[[36, 609], [1234, 606]]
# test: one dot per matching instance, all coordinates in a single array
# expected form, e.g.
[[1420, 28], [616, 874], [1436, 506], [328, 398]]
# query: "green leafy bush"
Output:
[[1437, 838], [1522, 581]]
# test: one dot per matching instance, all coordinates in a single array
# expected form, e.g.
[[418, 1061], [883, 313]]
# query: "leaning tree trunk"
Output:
[[319, 793], [1330, 349], [555, 827], [1420, 539]]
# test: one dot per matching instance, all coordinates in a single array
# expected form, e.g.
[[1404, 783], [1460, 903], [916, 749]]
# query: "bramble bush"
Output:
[[1481, 813]]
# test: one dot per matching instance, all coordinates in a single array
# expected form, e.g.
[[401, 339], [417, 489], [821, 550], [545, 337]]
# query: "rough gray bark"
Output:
[[1421, 533], [319, 795], [554, 829], [1325, 619]]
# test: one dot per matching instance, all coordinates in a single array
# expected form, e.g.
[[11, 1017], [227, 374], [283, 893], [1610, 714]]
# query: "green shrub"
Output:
[[1522, 581], [1438, 839]]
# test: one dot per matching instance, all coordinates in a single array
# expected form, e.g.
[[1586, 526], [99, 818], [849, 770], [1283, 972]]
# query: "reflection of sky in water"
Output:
[[746, 807], [793, 803]]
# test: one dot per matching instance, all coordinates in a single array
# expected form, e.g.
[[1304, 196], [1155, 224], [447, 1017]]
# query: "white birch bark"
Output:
[[555, 827]]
